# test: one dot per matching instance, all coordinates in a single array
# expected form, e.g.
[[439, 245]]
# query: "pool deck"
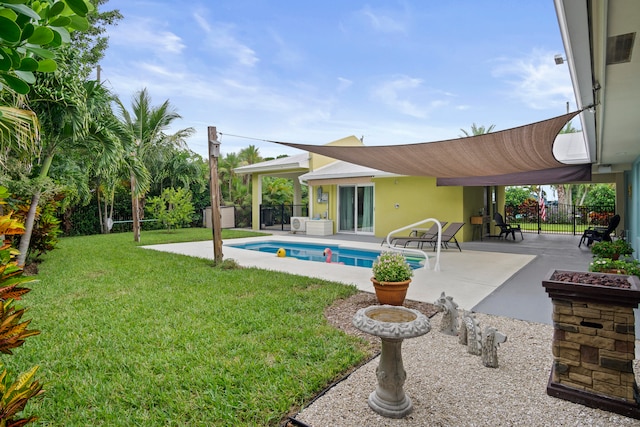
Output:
[[494, 276], [469, 276]]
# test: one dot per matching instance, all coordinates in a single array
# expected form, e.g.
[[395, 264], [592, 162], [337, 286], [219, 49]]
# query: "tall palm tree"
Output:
[[226, 169], [143, 130], [249, 156]]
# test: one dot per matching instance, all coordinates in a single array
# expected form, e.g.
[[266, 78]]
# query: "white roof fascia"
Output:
[[573, 20], [340, 169], [299, 161]]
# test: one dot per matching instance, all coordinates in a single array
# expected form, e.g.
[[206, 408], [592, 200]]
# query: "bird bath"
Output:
[[392, 324]]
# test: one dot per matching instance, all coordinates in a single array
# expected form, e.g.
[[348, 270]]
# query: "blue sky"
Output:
[[394, 72]]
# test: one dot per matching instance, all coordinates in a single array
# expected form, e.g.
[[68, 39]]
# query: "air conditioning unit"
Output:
[[298, 223]]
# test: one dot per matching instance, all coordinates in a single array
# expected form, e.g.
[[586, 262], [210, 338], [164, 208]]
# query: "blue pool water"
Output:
[[313, 252]]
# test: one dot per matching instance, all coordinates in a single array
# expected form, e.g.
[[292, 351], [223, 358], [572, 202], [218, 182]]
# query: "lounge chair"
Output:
[[414, 233], [447, 236], [506, 229], [599, 234], [424, 236]]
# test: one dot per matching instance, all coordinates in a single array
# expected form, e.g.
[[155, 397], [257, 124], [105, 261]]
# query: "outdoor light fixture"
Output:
[[559, 59]]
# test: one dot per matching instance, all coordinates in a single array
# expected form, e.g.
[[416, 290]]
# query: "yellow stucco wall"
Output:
[[317, 161], [404, 200], [417, 198]]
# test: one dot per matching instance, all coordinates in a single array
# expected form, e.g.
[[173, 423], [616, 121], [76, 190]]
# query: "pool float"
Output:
[[327, 253], [281, 253]]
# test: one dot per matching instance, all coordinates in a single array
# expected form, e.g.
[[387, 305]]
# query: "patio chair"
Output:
[[599, 234], [506, 229], [448, 235], [416, 235]]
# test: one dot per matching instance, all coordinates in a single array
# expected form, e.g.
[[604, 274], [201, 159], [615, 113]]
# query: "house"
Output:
[[362, 200], [599, 39]]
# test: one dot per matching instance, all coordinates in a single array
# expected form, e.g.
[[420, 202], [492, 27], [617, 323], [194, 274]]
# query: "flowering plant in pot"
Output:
[[391, 277], [612, 249], [615, 266]]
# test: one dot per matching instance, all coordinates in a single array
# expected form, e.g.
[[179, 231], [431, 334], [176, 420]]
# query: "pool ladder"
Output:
[[436, 266]]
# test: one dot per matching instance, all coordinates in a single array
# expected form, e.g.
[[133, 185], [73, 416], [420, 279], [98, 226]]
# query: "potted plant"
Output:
[[391, 277], [615, 266], [612, 249]]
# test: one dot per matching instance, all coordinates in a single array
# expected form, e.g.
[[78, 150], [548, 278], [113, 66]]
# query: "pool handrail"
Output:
[[436, 267]]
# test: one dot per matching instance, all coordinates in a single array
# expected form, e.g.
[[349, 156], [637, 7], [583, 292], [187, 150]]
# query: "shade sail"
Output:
[[572, 173], [526, 148]]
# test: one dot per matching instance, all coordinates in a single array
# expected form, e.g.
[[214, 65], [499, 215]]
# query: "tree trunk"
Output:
[[29, 221], [135, 210]]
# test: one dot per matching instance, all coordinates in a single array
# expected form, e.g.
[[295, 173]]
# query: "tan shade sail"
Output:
[[571, 173], [523, 149]]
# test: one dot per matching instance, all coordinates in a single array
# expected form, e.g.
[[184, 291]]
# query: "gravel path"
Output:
[[450, 387]]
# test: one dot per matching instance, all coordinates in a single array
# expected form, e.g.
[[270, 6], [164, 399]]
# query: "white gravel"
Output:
[[449, 387]]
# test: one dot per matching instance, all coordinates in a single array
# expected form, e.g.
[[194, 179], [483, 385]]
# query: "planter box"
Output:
[[594, 342]]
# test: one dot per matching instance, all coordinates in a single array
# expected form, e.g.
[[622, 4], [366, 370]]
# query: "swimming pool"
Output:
[[313, 252]]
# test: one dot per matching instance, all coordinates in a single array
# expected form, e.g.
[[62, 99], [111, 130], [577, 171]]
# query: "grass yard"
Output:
[[134, 337]]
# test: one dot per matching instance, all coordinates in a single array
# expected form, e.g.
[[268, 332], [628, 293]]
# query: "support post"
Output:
[[214, 153]]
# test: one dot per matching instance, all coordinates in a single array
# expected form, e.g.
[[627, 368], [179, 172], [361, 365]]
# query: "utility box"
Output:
[[319, 227], [227, 217]]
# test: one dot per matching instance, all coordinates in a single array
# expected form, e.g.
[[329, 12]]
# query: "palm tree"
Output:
[[476, 130], [19, 134], [60, 102], [142, 133], [226, 169], [249, 156]]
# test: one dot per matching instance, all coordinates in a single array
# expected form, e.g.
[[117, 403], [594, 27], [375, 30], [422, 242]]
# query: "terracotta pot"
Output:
[[392, 293]]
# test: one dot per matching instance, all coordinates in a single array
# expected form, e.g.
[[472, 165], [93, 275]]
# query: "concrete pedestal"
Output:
[[392, 324]]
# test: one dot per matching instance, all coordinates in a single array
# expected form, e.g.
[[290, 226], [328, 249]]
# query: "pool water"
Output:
[[313, 252]]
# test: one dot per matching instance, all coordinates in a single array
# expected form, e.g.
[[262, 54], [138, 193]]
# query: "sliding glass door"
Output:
[[355, 209]]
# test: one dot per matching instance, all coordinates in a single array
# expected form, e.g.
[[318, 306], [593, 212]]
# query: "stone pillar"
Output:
[[594, 342], [594, 348]]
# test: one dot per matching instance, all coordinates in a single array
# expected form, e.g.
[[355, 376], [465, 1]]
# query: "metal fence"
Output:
[[279, 216], [558, 218]]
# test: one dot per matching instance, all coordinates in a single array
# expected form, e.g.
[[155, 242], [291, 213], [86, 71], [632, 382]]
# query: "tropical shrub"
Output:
[[173, 208], [15, 392], [46, 227]]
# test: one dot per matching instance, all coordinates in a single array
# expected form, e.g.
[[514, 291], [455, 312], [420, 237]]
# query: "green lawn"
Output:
[[134, 337]]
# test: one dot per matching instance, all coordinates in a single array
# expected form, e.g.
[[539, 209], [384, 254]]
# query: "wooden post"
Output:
[[214, 153]]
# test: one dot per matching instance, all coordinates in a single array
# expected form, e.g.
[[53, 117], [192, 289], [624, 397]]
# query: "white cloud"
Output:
[[221, 40], [202, 22], [396, 93], [536, 80], [343, 84], [145, 34], [383, 22]]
